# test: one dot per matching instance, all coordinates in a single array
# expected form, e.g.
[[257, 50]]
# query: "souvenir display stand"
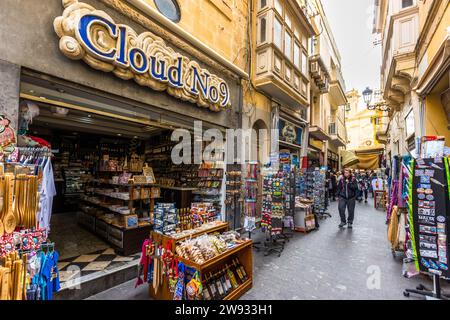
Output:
[[233, 199], [251, 197], [315, 183], [164, 240], [273, 212], [380, 200], [429, 216], [242, 252], [27, 257], [397, 212]]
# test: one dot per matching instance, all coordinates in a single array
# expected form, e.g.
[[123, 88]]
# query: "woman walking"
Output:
[[347, 191]]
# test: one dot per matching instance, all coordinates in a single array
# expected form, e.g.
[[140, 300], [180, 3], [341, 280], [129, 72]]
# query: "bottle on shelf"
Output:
[[211, 287], [227, 281], [207, 294], [218, 284], [231, 277], [240, 270]]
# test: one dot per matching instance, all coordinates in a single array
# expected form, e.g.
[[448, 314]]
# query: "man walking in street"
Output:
[[347, 190]]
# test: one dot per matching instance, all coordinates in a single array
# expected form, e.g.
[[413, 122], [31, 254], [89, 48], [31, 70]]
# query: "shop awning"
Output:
[[349, 158], [368, 161]]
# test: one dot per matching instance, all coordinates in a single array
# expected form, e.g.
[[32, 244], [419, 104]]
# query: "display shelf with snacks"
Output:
[[215, 254], [217, 274], [171, 242]]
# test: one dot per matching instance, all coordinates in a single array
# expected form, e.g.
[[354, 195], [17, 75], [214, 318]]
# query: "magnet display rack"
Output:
[[271, 203], [289, 192], [315, 182], [233, 198], [251, 199], [429, 197]]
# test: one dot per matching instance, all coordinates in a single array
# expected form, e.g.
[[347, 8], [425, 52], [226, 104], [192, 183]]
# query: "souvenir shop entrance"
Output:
[[111, 165]]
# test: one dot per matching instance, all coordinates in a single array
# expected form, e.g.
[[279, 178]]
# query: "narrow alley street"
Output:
[[331, 263]]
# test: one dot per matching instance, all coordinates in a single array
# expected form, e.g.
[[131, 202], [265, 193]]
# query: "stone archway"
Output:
[[260, 141]]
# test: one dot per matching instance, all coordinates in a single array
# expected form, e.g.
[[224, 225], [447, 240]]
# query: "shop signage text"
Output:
[[93, 36], [290, 133]]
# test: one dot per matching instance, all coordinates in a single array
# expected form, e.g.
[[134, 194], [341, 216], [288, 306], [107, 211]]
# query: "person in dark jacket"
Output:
[[347, 191]]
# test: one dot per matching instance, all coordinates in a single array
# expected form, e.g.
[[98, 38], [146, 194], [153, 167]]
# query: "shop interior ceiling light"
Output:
[[29, 110], [60, 112]]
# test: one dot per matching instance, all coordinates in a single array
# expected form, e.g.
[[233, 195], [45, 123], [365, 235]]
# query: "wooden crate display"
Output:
[[242, 252]]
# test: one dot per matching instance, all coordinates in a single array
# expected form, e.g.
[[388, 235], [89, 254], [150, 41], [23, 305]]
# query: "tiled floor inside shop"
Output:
[[326, 264], [71, 239], [83, 255], [96, 264]]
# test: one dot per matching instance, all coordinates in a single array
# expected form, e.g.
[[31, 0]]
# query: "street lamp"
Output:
[[379, 104], [368, 94]]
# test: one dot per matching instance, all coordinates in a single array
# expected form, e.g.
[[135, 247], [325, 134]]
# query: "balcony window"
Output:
[[288, 45], [297, 55], [262, 37], [407, 3], [279, 7], [288, 21], [278, 34], [262, 4], [305, 42], [304, 63], [297, 34]]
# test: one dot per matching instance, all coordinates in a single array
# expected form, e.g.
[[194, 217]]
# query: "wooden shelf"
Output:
[[106, 207], [118, 198], [216, 260], [243, 252], [179, 188], [128, 185], [239, 291], [221, 227]]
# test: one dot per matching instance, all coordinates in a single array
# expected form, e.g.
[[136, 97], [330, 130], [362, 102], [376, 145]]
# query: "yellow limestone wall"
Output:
[[220, 24], [439, 35], [436, 120]]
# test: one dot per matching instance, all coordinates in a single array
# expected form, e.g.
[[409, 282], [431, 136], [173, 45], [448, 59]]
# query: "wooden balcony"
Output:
[[382, 130], [399, 57], [279, 78], [319, 133]]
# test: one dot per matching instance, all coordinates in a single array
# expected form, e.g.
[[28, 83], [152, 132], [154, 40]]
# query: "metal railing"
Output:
[[337, 128]]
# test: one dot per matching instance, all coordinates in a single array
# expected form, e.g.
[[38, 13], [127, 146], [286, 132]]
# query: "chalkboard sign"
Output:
[[430, 215]]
